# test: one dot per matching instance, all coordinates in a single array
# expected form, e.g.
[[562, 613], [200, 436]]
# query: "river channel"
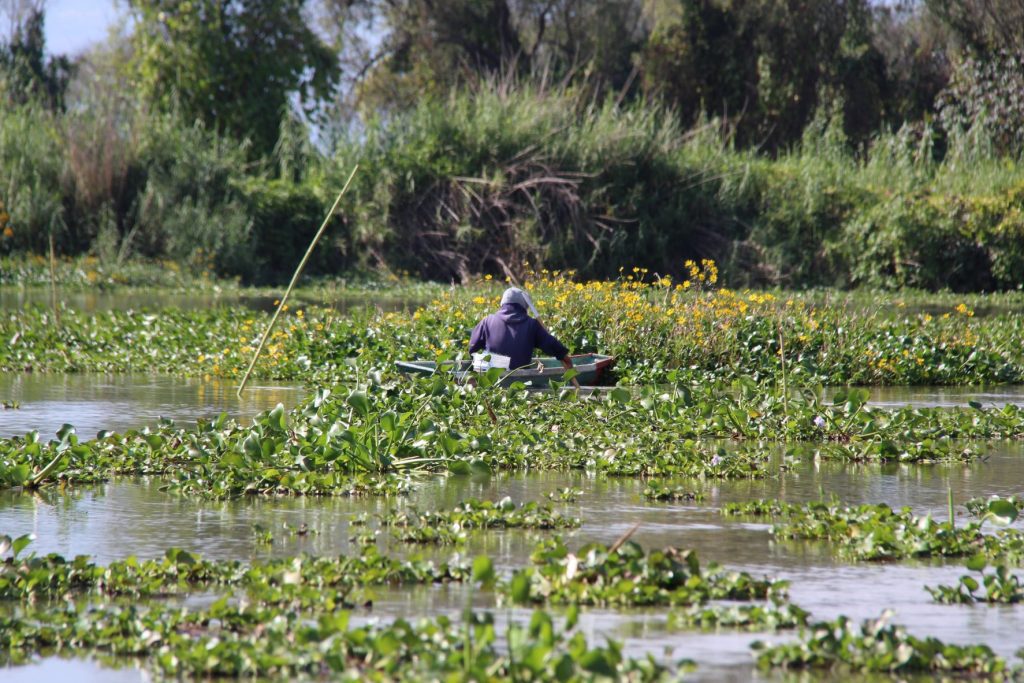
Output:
[[125, 517], [133, 517]]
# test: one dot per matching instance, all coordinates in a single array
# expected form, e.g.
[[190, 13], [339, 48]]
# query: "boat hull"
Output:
[[591, 367]]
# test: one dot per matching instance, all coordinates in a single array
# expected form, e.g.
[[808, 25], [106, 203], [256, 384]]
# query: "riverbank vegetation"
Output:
[[435, 198], [851, 165]]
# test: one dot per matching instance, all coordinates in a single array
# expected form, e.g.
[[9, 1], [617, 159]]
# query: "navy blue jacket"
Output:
[[513, 333]]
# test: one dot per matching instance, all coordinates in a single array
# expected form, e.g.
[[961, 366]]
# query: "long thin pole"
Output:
[[782, 355], [949, 501], [53, 282], [295, 278]]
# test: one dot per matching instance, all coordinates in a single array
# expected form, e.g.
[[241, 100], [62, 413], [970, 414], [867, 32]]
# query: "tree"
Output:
[[763, 63], [233, 64], [915, 46], [983, 26], [698, 59], [397, 51], [26, 75]]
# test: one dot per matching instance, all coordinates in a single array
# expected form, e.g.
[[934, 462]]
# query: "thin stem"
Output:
[[782, 354], [295, 277], [53, 282]]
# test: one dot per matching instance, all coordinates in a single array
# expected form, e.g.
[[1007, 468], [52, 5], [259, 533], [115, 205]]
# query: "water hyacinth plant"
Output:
[[879, 533], [627, 575], [1000, 586], [881, 647], [659, 328]]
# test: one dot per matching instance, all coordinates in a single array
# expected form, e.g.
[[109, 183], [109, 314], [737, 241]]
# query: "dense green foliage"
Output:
[[231, 65], [493, 133], [660, 333], [483, 181], [293, 621]]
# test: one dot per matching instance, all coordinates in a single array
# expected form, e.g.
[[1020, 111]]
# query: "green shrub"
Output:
[[284, 218]]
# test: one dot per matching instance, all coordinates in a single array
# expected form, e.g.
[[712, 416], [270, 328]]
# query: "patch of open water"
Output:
[[96, 300], [120, 402], [119, 518]]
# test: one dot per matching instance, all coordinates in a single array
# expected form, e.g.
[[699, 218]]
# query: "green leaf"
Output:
[[359, 402], [572, 616], [277, 418], [565, 668], [1002, 511], [490, 378], [21, 542], [483, 571], [977, 563], [459, 467], [389, 421], [620, 395], [519, 588], [20, 474], [65, 431], [571, 373], [596, 661], [252, 448]]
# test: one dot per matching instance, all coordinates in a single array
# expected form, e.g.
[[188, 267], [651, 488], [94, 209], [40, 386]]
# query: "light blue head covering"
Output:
[[514, 295]]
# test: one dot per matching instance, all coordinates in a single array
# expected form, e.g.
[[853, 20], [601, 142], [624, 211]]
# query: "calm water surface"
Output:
[[120, 402], [132, 517], [92, 301]]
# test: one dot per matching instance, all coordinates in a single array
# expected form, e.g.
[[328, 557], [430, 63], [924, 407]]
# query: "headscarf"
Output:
[[514, 295]]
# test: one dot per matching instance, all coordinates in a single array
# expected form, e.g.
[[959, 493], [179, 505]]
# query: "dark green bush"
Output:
[[284, 218]]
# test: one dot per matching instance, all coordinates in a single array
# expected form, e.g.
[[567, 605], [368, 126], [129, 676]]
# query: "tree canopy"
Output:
[[236, 65], [26, 73]]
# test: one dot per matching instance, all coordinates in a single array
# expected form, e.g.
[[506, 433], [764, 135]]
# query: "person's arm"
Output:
[[547, 343], [567, 363], [478, 340]]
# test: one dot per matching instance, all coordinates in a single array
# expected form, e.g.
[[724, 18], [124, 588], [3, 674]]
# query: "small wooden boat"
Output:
[[591, 367]]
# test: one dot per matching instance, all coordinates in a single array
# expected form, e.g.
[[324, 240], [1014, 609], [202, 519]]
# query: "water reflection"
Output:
[[121, 402], [941, 397], [97, 300]]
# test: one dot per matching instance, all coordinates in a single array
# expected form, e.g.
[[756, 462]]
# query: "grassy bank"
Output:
[[481, 182]]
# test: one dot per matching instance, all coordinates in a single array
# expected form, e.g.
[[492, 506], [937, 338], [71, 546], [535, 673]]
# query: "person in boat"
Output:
[[511, 333]]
